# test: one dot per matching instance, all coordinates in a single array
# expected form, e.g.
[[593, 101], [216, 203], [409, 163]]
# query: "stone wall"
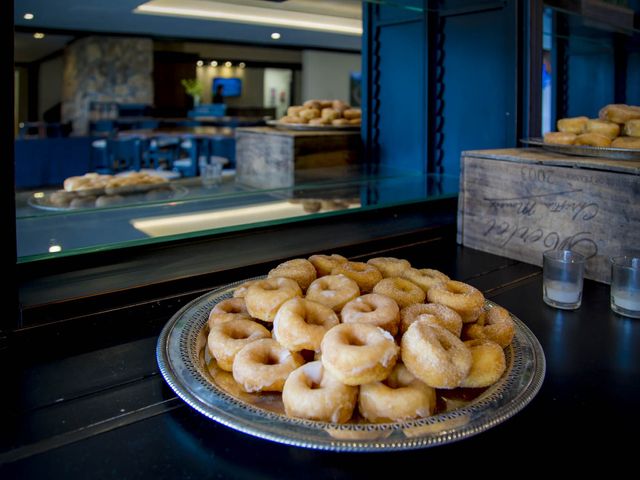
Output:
[[105, 69]]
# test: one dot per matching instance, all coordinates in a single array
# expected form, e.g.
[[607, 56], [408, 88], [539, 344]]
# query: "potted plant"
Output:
[[193, 87]]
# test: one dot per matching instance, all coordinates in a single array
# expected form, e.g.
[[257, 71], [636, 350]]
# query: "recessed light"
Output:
[[38, 35], [28, 16], [275, 35], [242, 64], [227, 64], [199, 63], [214, 63]]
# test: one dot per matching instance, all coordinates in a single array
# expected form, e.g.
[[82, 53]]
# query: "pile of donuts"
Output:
[[344, 339], [323, 112], [618, 126]]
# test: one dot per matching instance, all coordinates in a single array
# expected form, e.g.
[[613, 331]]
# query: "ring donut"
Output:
[[390, 266], [403, 291], [493, 324], [264, 297], [435, 355], [299, 269], [226, 310], [365, 275], [300, 324], [241, 290], [461, 297], [264, 365], [334, 291], [425, 278], [356, 353], [373, 309], [311, 392], [226, 339], [401, 396], [439, 314], [487, 364], [325, 263]]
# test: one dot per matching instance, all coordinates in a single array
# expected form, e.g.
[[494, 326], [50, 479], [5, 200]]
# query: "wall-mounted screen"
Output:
[[231, 87]]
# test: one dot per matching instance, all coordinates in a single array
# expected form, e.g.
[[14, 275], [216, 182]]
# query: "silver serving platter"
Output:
[[310, 128], [186, 366], [632, 154]]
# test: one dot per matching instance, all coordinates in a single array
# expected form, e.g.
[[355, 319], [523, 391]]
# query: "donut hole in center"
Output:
[[271, 358], [354, 341], [238, 335]]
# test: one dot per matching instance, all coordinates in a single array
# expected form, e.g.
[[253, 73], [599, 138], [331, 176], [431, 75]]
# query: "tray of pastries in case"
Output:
[[320, 115], [328, 353], [94, 190], [615, 134]]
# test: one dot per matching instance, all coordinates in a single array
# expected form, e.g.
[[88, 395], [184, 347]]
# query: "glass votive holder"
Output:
[[562, 278], [625, 286], [211, 172]]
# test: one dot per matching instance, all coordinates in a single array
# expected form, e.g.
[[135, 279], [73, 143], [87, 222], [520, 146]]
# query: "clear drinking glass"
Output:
[[562, 278], [211, 172], [625, 286]]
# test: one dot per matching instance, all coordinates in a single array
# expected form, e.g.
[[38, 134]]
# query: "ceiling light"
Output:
[[275, 35], [242, 64], [214, 63], [227, 64], [28, 16], [199, 63], [38, 35], [229, 12]]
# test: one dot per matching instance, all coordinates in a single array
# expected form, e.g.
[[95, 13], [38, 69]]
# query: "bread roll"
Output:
[[575, 125]]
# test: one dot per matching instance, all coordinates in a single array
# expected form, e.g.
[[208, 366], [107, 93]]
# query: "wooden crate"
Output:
[[521, 202], [267, 157]]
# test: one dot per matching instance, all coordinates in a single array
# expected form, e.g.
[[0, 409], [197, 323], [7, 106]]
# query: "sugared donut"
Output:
[[373, 309], [366, 276], [487, 364], [226, 310], [461, 297], [493, 324], [401, 290], [401, 396], [356, 353], [325, 263], [439, 314], [390, 266], [435, 355], [619, 113], [241, 290], [575, 125], [312, 392], [626, 142], [226, 339], [300, 324], [299, 269], [264, 365], [334, 291], [560, 138], [264, 297], [603, 127], [593, 140], [425, 278]]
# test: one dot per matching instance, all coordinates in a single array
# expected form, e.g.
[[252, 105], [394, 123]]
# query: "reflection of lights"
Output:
[[214, 63], [28, 16], [38, 35], [199, 63], [227, 64], [275, 36], [38, 195], [242, 64], [55, 248]]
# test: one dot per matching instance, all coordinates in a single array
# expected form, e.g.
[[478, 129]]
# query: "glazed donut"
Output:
[[339, 122], [390, 266], [312, 104], [309, 113], [226, 310], [603, 127], [351, 113], [264, 365], [366, 276], [493, 324], [435, 355], [325, 263], [632, 128], [439, 314], [312, 392], [560, 138], [425, 278], [319, 121], [464, 299], [299, 269], [300, 324], [619, 113], [329, 114], [487, 364], [575, 125], [226, 339], [294, 110], [241, 290], [264, 297], [626, 142], [593, 140], [400, 397], [334, 291], [401, 290], [373, 309], [357, 353]]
